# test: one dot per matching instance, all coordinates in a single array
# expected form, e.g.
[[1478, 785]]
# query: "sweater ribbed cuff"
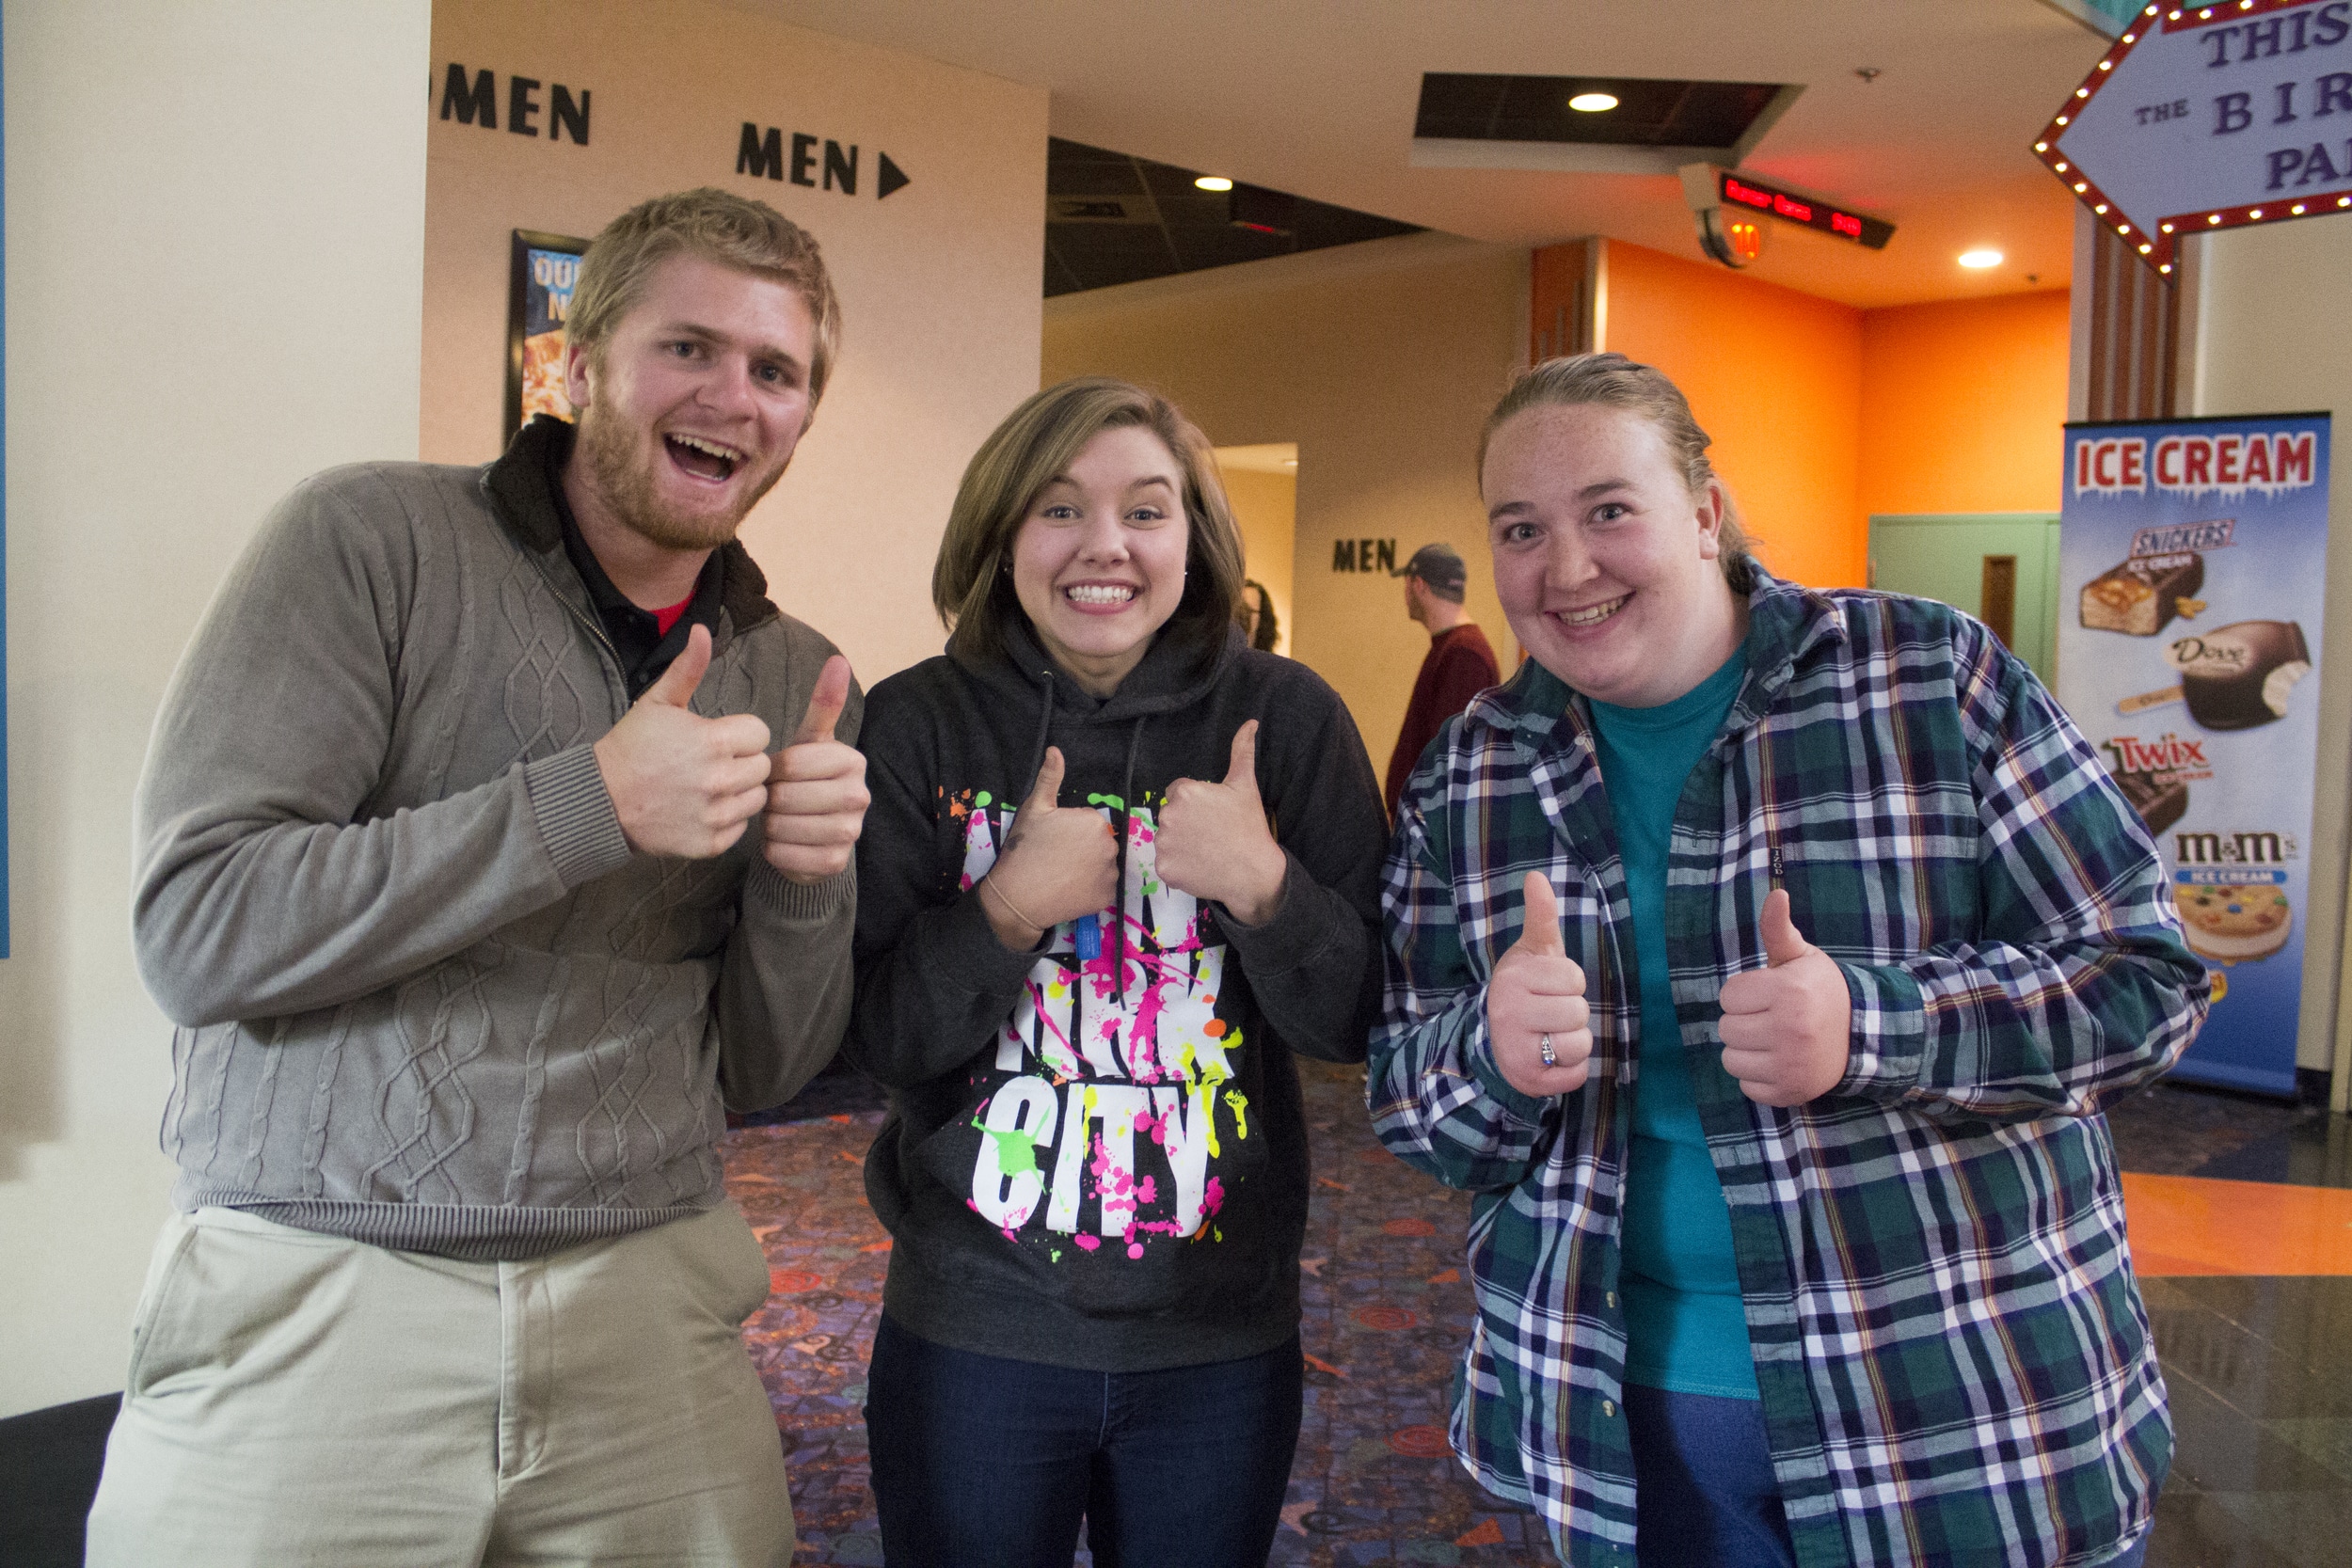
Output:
[[774, 892], [576, 817]]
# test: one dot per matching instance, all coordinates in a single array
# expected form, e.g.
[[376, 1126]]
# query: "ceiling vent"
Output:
[[1112, 218], [1651, 127]]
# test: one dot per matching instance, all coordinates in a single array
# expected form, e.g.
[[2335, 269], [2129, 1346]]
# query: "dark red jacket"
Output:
[[1461, 665]]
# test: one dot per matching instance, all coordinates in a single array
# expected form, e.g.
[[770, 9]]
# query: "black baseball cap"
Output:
[[1440, 566]]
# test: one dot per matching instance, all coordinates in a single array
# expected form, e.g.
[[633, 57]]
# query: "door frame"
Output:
[[2048, 609]]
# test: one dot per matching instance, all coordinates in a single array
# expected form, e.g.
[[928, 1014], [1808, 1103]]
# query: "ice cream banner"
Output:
[[2192, 581]]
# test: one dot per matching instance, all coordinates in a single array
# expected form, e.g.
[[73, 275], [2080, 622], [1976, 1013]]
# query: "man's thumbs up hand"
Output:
[[825, 702], [1786, 1028], [1214, 841], [1057, 863], [1536, 1004], [675, 689], [817, 796], [683, 784]]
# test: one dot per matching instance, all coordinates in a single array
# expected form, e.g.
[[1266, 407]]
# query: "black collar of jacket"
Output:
[[518, 489]]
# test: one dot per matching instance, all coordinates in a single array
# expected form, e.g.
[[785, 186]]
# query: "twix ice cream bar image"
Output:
[[2234, 678]]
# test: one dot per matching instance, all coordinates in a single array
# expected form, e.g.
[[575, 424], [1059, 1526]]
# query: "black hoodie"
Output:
[[1166, 1234]]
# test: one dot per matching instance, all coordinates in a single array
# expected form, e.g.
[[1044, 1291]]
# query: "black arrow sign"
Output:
[[891, 178]]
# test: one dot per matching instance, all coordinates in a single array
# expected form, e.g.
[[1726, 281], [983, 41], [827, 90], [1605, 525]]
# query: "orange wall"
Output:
[[1823, 415], [1961, 404], [1775, 377]]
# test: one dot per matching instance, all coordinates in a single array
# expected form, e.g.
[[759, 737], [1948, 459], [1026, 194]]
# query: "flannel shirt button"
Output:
[[1611, 1299], [1609, 1407]]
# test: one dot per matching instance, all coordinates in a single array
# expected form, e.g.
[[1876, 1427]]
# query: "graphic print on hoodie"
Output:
[[1096, 1154], [1109, 1136]]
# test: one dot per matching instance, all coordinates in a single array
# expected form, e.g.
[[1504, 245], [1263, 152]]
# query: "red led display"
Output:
[[1811, 213]]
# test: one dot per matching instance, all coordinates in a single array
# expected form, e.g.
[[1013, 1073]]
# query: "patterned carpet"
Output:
[[1387, 1310]]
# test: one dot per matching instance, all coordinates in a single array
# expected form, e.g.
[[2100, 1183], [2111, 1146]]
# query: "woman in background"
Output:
[[1118, 868], [1258, 622]]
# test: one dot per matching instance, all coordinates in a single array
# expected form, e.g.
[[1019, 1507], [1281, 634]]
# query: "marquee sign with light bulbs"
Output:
[[2211, 117]]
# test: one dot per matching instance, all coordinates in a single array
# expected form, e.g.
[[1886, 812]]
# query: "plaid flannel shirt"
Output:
[[1955, 1365]]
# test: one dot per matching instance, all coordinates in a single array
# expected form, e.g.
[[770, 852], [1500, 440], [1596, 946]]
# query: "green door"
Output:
[[2000, 567]]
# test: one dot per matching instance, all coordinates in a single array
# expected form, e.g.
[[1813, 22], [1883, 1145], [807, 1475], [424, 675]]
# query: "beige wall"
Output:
[[1381, 361], [1265, 507], [2272, 337], [939, 283], [207, 299]]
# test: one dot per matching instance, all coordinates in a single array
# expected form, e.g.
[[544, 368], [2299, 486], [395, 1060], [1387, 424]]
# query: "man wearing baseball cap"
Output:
[[1459, 666]]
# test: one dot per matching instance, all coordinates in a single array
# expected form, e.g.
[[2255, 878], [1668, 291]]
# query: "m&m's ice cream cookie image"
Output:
[[2234, 921]]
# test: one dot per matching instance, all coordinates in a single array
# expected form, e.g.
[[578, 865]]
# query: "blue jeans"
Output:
[[1704, 1491], [981, 1462], [1704, 1486]]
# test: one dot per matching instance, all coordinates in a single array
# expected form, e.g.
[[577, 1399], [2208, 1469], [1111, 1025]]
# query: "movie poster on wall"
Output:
[[2192, 582], [541, 276]]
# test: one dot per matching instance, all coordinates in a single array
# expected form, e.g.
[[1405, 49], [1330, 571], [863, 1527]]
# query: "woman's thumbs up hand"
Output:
[[1059, 863], [1214, 841], [1786, 1027], [1537, 1022]]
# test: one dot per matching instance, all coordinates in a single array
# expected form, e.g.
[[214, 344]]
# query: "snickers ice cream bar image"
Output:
[[2232, 677], [2142, 594]]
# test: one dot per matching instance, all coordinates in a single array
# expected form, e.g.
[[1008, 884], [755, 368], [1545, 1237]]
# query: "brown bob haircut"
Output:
[[717, 226], [971, 584], [1613, 381]]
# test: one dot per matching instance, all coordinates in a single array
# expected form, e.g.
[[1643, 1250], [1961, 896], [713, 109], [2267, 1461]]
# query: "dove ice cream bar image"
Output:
[[2237, 676], [2140, 597], [2234, 678]]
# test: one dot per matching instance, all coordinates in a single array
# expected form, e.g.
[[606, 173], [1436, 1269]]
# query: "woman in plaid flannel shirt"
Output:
[[1826, 1265]]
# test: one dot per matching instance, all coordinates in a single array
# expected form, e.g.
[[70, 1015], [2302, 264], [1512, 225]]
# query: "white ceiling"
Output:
[[1317, 97]]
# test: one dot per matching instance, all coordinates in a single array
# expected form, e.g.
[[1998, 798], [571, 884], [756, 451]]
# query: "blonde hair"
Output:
[[1613, 381], [972, 582], [717, 226]]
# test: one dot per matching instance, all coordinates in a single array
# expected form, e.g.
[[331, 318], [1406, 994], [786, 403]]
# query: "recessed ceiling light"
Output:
[[1980, 259], [1593, 103], [1214, 183]]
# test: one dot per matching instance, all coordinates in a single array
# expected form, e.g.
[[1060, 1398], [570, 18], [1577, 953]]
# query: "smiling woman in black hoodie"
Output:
[[1119, 865]]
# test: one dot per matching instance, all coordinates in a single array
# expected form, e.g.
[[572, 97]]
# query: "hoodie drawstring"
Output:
[[1044, 728], [1119, 898], [1125, 815], [1124, 811]]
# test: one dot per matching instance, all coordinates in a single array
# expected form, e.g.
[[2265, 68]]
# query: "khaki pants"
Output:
[[300, 1398]]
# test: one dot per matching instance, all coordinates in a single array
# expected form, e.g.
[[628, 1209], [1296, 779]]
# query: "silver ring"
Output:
[[1542, 1049]]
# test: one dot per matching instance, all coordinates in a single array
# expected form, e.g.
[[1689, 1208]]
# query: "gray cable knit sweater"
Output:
[[428, 997]]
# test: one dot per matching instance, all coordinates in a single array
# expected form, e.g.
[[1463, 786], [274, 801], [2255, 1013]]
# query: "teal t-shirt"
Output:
[[1685, 1330]]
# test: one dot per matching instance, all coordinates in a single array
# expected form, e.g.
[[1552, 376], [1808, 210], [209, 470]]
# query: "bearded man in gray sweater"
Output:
[[496, 830]]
